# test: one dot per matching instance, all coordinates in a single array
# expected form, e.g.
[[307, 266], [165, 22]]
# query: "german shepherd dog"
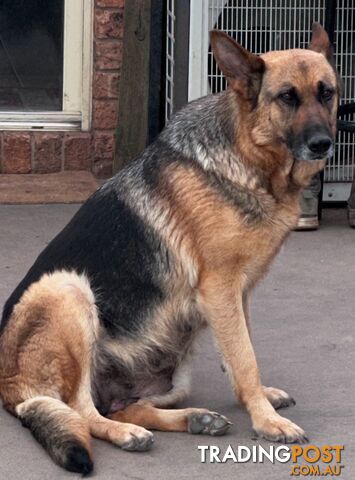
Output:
[[96, 338]]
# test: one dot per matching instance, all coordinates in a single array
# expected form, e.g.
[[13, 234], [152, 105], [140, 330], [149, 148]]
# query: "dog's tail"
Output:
[[60, 430]]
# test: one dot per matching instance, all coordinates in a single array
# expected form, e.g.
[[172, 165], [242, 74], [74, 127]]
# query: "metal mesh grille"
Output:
[[170, 41], [342, 166], [262, 25]]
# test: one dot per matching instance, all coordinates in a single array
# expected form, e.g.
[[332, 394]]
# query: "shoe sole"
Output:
[[351, 217], [309, 223]]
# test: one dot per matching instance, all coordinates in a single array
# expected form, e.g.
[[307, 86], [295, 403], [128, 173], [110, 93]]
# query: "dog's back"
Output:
[[119, 229]]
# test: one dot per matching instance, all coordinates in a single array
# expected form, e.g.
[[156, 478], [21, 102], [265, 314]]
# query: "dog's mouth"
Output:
[[304, 153]]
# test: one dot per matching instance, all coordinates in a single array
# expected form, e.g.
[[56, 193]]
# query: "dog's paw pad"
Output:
[[208, 423]]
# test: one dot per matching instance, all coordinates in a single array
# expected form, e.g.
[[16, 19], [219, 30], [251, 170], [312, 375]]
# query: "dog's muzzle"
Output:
[[315, 143], [320, 145]]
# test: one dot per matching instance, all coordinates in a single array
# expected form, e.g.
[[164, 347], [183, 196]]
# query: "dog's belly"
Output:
[[124, 388], [124, 373]]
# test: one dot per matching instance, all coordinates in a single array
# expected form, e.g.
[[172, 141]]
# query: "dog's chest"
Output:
[[266, 239], [235, 242]]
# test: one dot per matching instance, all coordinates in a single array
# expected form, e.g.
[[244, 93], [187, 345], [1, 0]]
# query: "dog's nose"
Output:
[[319, 143]]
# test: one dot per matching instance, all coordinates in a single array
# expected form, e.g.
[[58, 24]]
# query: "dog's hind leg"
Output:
[[125, 435], [43, 357], [278, 398], [45, 376], [78, 316], [192, 420]]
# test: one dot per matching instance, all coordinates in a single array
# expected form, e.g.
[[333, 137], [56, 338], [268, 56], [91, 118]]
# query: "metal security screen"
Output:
[[262, 25], [343, 166], [169, 74]]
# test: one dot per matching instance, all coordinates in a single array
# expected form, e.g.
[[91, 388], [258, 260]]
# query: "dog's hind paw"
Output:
[[138, 444], [209, 423], [278, 398], [137, 439]]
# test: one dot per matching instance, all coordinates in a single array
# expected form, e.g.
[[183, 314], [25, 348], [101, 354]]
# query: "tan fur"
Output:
[[148, 416], [53, 354], [158, 333], [231, 256], [218, 256], [54, 369]]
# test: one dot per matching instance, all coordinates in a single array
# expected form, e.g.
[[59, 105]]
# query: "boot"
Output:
[[309, 206], [351, 206]]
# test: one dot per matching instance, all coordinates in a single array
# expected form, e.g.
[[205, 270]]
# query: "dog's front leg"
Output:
[[222, 300], [277, 397]]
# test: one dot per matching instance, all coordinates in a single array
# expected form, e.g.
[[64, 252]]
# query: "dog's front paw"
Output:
[[278, 398], [210, 423], [280, 429]]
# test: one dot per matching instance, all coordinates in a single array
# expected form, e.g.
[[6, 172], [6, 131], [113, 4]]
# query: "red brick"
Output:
[[47, 156], [103, 169], [105, 114], [1, 152], [77, 152], [106, 85], [108, 55], [104, 146], [109, 24], [16, 153], [110, 3]]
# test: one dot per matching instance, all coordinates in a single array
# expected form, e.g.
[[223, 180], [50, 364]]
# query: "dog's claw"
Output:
[[278, 398], [279, 429], [284, 403], [136, 444], [210, 423]]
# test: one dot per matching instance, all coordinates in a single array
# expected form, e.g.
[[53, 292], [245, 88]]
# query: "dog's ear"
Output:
[[243, 69], [320, 43]]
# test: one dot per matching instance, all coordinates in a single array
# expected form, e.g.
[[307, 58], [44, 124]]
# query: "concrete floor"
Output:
[[303, 323]]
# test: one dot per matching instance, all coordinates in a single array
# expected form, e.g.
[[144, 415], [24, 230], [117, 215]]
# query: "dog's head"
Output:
[[294, 93]]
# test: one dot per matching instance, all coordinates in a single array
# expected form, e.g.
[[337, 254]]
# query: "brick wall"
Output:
[[49, 152]]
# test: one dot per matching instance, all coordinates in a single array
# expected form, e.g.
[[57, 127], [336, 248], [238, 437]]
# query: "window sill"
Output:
[[43, 121]]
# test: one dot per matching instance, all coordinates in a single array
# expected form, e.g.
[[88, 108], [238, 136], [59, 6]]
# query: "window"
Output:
[[45, 64]]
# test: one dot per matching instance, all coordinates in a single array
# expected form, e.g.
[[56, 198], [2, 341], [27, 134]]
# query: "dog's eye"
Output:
[[289, 97], [327, 94]]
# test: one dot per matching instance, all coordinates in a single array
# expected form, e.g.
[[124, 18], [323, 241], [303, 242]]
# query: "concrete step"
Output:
[[62, 187]]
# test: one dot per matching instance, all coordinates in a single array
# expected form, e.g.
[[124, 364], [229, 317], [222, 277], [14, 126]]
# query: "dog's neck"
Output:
[[219, 134], [204, 132]]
